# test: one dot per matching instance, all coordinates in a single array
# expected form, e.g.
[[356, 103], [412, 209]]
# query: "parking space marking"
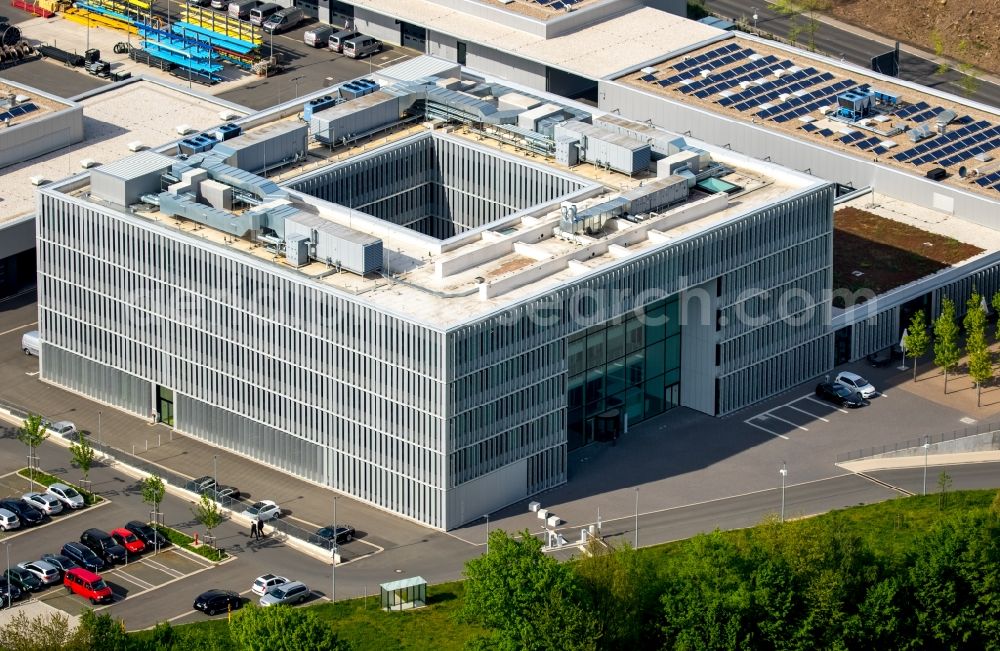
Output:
[[751, 424], [193, 611], [770, 415], [163, 568], [20, 327], [808, 413], [131, 578], [156, 587], [831, 406]]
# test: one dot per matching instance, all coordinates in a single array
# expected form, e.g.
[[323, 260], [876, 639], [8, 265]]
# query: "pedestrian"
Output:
[[253, 530], [260, 529]]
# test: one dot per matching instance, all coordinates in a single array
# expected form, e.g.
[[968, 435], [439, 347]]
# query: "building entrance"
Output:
[[165, 405]]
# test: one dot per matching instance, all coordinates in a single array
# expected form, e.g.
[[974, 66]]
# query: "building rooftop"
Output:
[[145, 111], [594, 51], [27, 105], [541, 9], [788, 90]]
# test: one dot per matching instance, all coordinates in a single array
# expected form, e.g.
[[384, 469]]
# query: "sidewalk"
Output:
[[917, 461]]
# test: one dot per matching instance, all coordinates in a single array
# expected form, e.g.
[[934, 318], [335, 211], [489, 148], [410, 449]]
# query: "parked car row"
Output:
[[77, 564], [349, 42], [847, 390], [270, 588], [33, 508], [206, 486]]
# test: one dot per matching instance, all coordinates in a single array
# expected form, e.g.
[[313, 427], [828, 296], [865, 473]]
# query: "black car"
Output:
[[324, 535], [104, 545], [28, 514], [23, 579], [60, 562], [226, 492], [840, 395], [83, 556], [149, 536], [9, 592], [217, 601]]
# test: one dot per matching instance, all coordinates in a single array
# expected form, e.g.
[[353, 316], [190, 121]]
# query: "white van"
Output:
[[241, 8], [319, 36], [362, 46], [259, 14], [31, 343], [336, 41]]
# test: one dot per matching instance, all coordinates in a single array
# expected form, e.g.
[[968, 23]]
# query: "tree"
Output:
[[103, 632], [41, 633], [32, 433], [83, 455], [621, 584], [995, 304], [529, 600], [946, 349], [796, 10], [152, 494], [980, 359], [944, 483], [281, 628], [206, 511], [917, 339]]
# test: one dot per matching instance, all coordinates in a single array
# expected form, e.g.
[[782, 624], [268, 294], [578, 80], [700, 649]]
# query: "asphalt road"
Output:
[[839, 43]]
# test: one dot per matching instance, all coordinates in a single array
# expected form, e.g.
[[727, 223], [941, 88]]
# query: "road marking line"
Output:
[[163, 568], [20, 327], [885, 484], [766, 430], [819, 402], [808, 413], [134, 579], [162, 585], [770, 415]]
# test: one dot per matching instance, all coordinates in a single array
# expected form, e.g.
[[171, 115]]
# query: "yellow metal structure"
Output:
[[222, 24]]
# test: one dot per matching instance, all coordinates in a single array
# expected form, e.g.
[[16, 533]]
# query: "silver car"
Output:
[[44, 502], [8, 520], [47, 573], [293, 592], [68, 495]]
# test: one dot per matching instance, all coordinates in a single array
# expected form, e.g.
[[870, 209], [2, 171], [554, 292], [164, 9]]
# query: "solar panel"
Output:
[[809, 126], [648, 78], [556, 5], [825, 132], [878, 151]]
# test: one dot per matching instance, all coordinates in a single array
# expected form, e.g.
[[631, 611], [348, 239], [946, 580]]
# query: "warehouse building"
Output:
[[426, 306]]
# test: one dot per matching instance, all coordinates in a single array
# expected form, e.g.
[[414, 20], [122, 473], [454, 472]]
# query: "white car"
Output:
[[263, 511], [47, 573], [855, 382], [8, 520], [63, 429], [68, 495], [43, 502], [263, 584]]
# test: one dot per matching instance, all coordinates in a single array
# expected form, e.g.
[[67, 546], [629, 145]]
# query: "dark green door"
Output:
[[165, 405]]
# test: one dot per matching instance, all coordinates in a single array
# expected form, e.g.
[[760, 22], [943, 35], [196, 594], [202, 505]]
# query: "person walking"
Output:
[[253, 530], [260, 529]]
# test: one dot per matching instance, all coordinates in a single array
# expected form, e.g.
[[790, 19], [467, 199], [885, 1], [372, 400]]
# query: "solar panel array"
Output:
[[557, 4], [777, 90], [18, 111]]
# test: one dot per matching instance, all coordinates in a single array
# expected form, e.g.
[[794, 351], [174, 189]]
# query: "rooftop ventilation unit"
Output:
[[87, 163], [38, 180], [136, 145], [228, 115], [183, 129]]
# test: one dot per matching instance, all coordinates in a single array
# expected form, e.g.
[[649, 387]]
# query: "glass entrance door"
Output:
[[165, 405]]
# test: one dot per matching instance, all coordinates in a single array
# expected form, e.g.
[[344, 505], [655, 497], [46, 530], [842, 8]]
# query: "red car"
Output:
[[128, 540], [87, 584]]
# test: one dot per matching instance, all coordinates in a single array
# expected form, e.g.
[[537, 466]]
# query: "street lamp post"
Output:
[[99, 429], [487, 516], [10, 601], [754, 10], [215, 475], [927, 446], [637, 517], [296, 81], [784, 473]]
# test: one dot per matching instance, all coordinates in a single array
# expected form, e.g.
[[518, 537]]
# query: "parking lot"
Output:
[[802, 414]]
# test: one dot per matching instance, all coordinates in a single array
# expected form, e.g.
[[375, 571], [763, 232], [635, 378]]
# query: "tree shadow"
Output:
[[440, 597]]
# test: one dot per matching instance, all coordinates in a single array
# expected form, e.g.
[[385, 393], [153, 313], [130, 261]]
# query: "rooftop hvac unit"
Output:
[[87, 163], [183, 129], [228, 115], [136, 145], [38, 180]]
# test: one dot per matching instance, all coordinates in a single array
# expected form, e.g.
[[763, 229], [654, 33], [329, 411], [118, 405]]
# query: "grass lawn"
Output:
[[890, 527], [887, 252]]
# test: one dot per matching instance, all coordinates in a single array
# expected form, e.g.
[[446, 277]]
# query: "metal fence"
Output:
[[109, 455], [917, 443]]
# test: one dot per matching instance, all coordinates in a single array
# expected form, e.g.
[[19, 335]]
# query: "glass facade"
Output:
[[628, 367]]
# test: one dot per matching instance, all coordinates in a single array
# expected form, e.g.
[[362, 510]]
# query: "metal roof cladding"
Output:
[[137, 165]]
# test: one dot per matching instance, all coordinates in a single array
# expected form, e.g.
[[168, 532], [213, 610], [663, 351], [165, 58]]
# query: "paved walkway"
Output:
[[917, 461]]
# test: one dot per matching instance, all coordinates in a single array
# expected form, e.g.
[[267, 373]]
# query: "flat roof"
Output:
[[144, 110], [539, 11], [716, 78], [43, 104], [595, 51], [412, 285]]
